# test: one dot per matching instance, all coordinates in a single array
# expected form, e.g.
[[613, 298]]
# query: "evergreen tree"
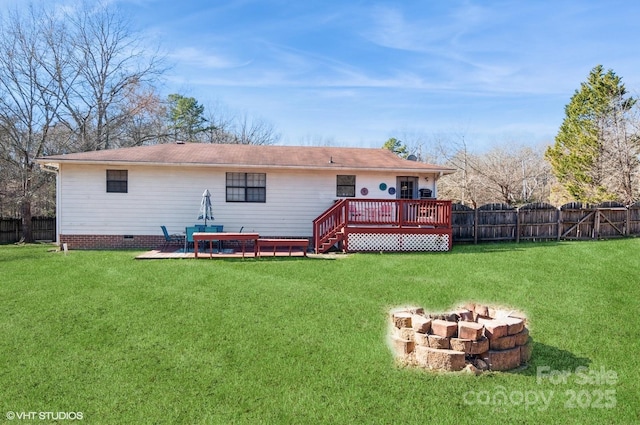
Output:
[[186, 116], [584, 152], [397, 147]]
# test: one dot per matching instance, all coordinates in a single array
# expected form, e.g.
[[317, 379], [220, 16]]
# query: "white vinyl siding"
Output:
[[171, 195]]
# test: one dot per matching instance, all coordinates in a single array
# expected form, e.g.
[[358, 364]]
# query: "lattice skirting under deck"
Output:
[[398, 242]]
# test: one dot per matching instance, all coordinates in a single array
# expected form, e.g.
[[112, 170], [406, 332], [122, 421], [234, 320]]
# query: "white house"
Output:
[[119, 198]]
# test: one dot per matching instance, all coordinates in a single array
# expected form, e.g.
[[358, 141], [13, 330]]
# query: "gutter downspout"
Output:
[[49, 168]]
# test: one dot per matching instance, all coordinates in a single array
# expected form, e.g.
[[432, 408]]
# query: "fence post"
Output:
[[559, 223], [518, 225], [627, 223], [475, 224], [596, 224]]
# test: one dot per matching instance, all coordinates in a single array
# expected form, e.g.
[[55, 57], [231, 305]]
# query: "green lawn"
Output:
[[304, 340]]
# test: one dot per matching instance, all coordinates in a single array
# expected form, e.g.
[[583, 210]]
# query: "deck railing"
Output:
[[399, 212], [381, 213]]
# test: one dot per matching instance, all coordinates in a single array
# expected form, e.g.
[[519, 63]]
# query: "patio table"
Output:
[[223, 236]]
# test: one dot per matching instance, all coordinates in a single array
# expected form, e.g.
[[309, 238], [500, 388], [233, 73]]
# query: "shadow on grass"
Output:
[[279, 259], [19, 251], [552, 359]]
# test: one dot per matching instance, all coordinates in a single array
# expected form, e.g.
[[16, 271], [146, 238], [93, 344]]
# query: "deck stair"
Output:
[[332, 241]]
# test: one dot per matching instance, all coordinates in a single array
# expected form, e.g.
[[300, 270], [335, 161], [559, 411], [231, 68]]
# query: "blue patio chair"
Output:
[[215, 229], [189, 231], [173, 239], [188, 240]]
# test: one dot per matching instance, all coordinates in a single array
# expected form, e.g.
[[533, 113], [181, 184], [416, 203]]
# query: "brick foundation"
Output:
[[112, 241], [476, 337], [134, 242]]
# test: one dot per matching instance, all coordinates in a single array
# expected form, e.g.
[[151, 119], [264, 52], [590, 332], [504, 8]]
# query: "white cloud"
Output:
[[194, 56]]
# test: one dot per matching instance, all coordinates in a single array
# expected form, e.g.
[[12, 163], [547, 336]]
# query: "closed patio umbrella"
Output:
[[206, 210]]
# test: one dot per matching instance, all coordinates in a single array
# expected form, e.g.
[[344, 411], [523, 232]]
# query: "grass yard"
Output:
[[303, 341]]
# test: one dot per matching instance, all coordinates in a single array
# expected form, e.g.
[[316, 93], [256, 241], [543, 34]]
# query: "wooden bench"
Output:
[[204, 236], [287, 243]]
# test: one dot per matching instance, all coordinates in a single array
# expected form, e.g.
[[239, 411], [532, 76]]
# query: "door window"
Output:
[[407, 187]]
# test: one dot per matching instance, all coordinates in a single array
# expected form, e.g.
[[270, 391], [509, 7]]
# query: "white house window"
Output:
[[246, 187], [117, 181], [346, 186]]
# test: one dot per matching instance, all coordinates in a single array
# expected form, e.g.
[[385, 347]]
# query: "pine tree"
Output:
[[581, 157], [397, 147], [186, 117]]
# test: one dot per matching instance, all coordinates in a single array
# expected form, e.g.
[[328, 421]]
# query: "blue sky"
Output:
[[354, 73]]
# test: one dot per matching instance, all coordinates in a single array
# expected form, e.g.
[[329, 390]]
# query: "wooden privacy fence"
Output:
[[540, 221], [491, 222], [42, 229]]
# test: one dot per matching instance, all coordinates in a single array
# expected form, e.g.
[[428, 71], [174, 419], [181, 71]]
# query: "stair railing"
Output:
[[327, 225]]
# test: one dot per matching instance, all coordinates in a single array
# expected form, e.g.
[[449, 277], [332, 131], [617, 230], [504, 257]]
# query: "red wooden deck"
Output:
[[385, 225]]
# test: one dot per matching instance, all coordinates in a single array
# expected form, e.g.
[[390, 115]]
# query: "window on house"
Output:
[[117, 181], [246, 187], [346, 186]]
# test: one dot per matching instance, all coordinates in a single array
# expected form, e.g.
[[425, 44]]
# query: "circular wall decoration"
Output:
[[392, 191], [364, 191], [383, 186]]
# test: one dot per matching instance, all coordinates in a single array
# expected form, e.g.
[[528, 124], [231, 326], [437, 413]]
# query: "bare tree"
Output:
[[317, 140], [142, 117], [620, 135], [511, 175], [66, 84], [227, 128], [254, 131], [462, 186], [426, 148], [107, 63], [29, 99], [222, 125]]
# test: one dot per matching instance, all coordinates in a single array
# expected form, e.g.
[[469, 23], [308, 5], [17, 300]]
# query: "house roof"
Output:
[[249, 156]]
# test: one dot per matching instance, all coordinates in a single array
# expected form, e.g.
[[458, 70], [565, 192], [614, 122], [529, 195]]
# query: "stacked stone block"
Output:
[[477, 337]]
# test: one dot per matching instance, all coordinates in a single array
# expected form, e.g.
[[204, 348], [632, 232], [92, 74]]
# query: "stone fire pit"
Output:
[[475, 337]]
